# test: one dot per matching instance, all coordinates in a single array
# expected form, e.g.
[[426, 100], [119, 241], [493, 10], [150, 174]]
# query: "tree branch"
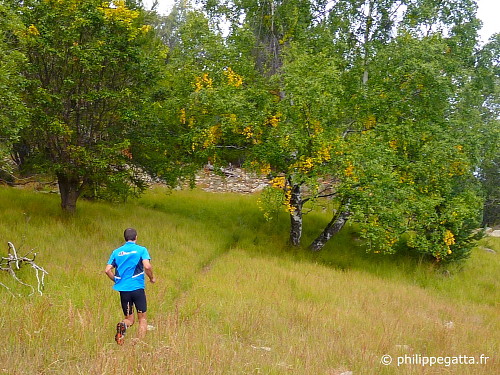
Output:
[[14, 262]]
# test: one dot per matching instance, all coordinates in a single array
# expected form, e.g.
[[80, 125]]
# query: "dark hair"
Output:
[[130, 234]]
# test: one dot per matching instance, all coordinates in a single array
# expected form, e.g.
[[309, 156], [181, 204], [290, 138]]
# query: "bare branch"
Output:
[[14, 262]]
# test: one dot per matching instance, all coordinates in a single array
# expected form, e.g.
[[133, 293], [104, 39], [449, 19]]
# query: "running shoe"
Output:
[[121, 328]]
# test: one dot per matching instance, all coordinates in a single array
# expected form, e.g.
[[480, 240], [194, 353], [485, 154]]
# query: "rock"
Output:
[[495, 233], [265, 348], [259, 187], [449, 325], [235, 180]]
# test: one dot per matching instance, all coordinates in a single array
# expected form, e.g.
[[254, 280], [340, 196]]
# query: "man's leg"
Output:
[[128, 310], [141, 306], [143, 325], [129, 315], [128, 320]]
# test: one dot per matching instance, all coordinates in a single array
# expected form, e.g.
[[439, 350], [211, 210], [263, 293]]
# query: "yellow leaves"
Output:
[[457, 168], [390, 240], [255, 134], [247, 132], [305, 164], [323, 154], [278, 182], [449, 238], [265, 168], [203, 81], [163, 53], [233, 79], [274, 120], [406, 178], [317, 128], [33, 31], [144, 29], [393, 144], [212, 135], [370, 122], [117, 10], [288, 198], [182, 116], [208, 137], [349, 171], [308, 163]]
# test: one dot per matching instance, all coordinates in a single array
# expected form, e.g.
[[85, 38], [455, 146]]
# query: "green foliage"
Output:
[[12, 109], [196, 59], [432, 187], [487, 81], [383, 106], [382, 119], [92, 69]]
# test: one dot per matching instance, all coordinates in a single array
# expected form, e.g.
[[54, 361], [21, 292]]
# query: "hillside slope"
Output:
[[232, 298]]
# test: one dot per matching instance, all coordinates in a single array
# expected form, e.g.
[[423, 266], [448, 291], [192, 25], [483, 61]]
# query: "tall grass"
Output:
[[232, 297]]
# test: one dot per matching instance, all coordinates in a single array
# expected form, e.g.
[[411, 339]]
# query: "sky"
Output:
[[488, 12]]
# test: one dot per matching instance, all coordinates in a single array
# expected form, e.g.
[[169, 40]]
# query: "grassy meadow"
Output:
[[232, 297]]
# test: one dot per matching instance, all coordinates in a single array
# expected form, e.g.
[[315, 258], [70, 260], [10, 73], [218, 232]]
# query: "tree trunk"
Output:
[[296, 215], [69, 189], [333, 227]]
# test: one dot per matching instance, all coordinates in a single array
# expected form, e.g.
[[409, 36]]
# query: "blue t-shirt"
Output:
[[129, 271]]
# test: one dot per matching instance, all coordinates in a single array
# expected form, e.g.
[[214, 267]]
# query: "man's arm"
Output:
[[109, 272], [148, 268]]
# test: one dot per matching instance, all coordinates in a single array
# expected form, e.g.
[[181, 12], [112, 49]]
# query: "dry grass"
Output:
[[232, 298]]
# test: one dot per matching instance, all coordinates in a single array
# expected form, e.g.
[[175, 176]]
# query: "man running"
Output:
[[129, 263]]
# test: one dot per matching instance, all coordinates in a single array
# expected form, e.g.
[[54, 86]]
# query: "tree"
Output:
[[192, 107], [372, 106], [93, 67], [428, 199], [302, 135], [260, 33], [12, 109], [408, 91], [487, 80]]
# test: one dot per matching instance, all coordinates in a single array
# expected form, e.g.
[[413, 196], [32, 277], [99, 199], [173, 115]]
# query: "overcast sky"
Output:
[[488, 12]]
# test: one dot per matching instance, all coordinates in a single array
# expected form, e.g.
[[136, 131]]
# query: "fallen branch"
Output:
[[14, 262]]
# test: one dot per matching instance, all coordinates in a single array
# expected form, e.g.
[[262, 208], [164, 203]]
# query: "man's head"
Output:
[[130, 234]]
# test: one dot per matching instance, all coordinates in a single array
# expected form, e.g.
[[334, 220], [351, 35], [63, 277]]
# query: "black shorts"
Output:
[[135, 298]]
